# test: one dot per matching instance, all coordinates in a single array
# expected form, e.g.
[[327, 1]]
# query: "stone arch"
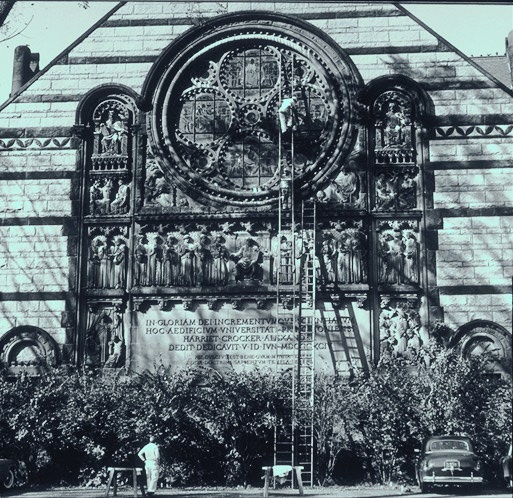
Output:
[[101, 93], [422, 102], [28, 349], [219, 95], [483, 336]]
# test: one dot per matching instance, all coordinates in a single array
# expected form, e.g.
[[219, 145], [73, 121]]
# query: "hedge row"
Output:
[[214, 429]]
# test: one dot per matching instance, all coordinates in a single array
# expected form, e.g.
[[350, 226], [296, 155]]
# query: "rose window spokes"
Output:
[[227, 125]]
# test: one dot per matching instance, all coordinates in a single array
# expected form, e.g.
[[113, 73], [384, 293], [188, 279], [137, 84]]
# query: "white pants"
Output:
[[152, 475]]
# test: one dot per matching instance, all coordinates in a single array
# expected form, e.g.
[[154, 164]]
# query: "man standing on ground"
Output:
[[150, 455]]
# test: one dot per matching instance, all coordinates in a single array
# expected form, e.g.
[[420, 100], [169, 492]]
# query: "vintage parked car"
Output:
[[507, 468], [448, 460], [8, 472]]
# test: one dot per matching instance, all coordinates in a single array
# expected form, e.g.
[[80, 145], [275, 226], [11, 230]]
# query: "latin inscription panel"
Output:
[[225, 337]]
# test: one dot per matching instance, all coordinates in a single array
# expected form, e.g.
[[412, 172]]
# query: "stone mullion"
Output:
[[140, 139], [83, 133]]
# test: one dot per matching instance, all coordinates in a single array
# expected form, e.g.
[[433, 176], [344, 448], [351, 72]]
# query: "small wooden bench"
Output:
[[113, 471], [268, 474]]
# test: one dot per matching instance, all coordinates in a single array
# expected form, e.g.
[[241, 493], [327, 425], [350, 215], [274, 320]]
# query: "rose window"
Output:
[[217, 124]]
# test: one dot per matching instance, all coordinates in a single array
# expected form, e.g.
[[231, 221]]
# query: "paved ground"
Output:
[[332, 492]]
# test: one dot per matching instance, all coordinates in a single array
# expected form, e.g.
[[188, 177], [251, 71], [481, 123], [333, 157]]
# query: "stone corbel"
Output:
[[237, 304], [360, 298], [139, 304], [212, 303], [187, 304], [260, 304]]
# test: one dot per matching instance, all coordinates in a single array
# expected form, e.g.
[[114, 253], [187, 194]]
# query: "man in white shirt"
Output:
[[150, 455]]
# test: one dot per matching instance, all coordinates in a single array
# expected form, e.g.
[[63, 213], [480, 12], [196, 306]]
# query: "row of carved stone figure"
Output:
[[107, 264], [188, 263], [170, 262], [398, 257]]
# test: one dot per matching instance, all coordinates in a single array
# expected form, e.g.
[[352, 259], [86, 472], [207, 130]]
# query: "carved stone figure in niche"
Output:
[[97, 338], [350, 260], [396, 126], [120, 203], [111, 131], [346, 185], [400, 330], [115, 352], [386, 191], [141, 261], [221, 256], [411, 256], [206, 261], [171, 262], [390, 253], [155, 253], [94, 197], [248, 261], [104, 344], [98, 263], [407, 193], [119, 252], [327, 261], [188, 262], [100, 197], [155, 183]]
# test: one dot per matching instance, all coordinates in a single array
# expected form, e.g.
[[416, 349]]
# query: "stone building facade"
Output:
[[147, 175]]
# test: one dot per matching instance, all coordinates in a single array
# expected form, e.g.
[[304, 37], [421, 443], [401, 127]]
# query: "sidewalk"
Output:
[[331, 492], [125, 492]]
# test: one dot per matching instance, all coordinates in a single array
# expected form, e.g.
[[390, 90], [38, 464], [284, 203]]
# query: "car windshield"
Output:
[[448, 445]]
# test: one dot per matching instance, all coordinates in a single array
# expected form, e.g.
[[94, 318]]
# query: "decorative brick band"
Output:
[[474, 131], [35, 143]]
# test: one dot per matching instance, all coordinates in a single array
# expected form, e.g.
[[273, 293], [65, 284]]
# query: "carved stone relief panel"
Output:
[[348, 189], [342, 251], [105, 342], [398, 252], [399, 323], [394, 128], [192, 255], [107, 257], [109, 178], [396, 189], [109, 195], [158, 192]]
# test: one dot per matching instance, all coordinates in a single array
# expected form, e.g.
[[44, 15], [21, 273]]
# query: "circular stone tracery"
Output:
[[216, 123]]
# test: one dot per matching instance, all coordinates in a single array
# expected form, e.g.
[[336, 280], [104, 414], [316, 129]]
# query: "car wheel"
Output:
[[8, 482]]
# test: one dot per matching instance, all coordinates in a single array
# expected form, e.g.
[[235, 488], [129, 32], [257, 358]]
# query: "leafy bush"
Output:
[[213, 429]]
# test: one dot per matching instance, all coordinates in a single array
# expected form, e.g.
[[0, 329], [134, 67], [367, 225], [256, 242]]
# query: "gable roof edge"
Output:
[[61, 55], [440, 38]]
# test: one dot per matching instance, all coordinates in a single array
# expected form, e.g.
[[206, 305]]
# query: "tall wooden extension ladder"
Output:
[[295, 304]]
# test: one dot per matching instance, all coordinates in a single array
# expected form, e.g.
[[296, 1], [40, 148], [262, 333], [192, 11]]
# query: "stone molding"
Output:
[[474, 131], [35, 143]]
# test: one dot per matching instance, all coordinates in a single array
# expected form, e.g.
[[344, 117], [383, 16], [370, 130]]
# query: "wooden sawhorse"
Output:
[[267, 476], [114, 483]]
